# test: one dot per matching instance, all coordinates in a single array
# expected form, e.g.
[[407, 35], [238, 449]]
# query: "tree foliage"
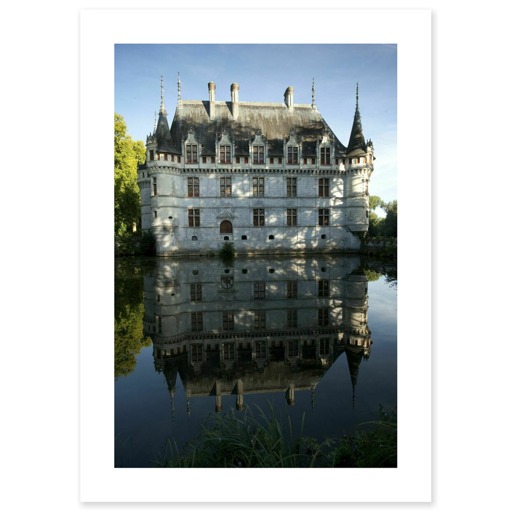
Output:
[[383, 226], [128, 154]]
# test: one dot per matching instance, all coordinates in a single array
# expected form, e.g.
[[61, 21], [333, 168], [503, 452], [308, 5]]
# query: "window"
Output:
[[291, 187], [259, 319], [293, 348], [292, 318], [204, 159], [291, 217], [258, 187], [228, 320], [258, 156], [291, 289], [155, 214], [154, 186], [323, 317], [323, 288], [229, 351], [225, 187], [225, 154], [324, 347], [196, 292], [261, 349], [323, 216], [323, 187], [226, 227], [193, 187], [258, 216], [259, 290], [196, 352], [271, 159], [325, 156], [191, 153], [197, 321], [194, 220], [293, 155]]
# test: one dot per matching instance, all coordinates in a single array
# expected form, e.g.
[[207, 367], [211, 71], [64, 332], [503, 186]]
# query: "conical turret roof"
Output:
[[357, 142]]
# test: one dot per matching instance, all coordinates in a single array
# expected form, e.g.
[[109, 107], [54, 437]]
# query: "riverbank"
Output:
[[231, 440]]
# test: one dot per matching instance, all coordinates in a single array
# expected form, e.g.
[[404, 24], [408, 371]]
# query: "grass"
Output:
[[231, 440]]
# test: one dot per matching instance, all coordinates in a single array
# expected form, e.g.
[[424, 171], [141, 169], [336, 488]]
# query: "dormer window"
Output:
[[258, 154], [325, 156], [293, 155], [191, 153], [225, 154]]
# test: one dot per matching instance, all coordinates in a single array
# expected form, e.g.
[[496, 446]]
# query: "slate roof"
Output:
[[274, 121]]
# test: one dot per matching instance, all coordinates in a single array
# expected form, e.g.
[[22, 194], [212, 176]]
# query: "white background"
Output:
[[40, 256]]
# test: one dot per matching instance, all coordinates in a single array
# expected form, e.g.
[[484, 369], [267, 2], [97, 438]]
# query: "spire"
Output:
[[357, 140], [313, 106], [155, 124], [162, 105], [179, 90]]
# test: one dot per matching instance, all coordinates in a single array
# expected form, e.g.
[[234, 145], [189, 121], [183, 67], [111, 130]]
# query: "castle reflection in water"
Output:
[[255, 325]]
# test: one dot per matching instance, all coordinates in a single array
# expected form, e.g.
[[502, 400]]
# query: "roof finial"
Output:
[[154, 127], [179, 90], [357, 96], [313, 95], [162, 105]]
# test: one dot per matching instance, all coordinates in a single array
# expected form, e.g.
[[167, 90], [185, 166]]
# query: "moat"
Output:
[[311, 340]]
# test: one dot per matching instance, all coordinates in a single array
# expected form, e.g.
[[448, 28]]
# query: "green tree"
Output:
[[128, 154], [389, 224], [374, 220]]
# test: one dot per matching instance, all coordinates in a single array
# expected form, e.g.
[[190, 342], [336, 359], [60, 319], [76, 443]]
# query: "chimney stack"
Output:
[[211, 92], [234, 99], [288, 98]]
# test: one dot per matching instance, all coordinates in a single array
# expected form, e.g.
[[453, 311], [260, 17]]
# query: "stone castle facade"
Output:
[[266, 177]]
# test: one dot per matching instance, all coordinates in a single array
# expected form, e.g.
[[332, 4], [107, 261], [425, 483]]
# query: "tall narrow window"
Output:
[[324, 347], [193, 187], [154, 186], [197, 321], [291, 187], [258, 155], [323, 187], [323, 288], [191, 153], [229, 351], [225, 154], [259, 321], [258, 217], [323, 216], [258, 187], [228, 320], [323, 317], [293, 155], [196, 352], [325, 156], [194, 220], [291, 318], [291, 217], [259, 290], [291, 289], [225, 187], [196, 292]]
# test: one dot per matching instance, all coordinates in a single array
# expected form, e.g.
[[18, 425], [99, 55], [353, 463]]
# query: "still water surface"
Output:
[[312, 339]]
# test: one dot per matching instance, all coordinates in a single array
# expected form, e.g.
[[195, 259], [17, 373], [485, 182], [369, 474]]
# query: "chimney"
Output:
[[288, 98], [211, 92], [234, 99]]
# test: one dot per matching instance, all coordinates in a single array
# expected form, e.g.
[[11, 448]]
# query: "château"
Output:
[[266, 177]]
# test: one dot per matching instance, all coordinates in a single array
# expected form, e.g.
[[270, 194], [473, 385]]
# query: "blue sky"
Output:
[[263, 72]]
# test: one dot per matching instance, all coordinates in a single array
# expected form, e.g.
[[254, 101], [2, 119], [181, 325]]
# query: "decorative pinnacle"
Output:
[[313, 95], [154, 128], [179, 89], [357, 96], [162, 105]]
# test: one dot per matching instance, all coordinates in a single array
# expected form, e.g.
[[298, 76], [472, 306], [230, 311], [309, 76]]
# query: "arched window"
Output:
[[226, 227]]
